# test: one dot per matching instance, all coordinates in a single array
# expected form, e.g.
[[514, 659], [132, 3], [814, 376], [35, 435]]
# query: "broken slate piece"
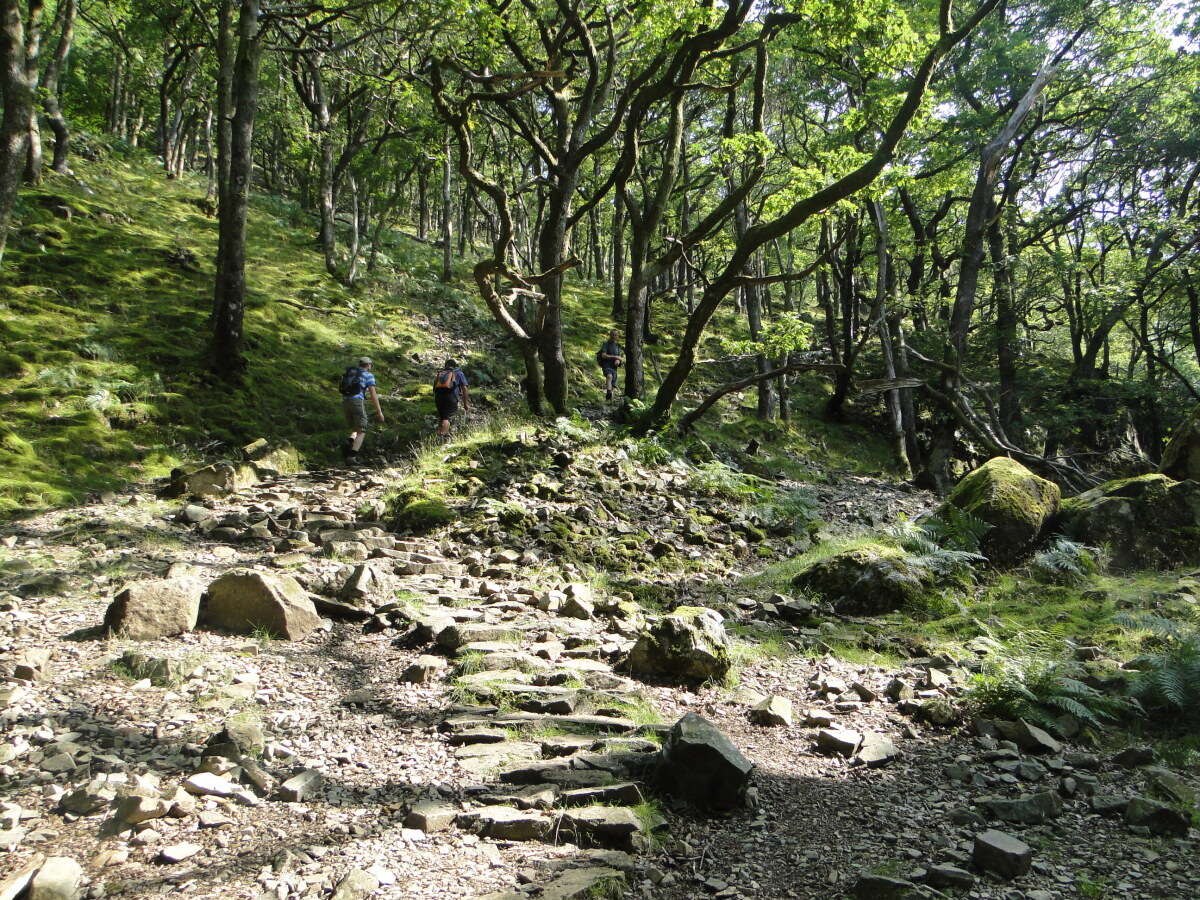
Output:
[[876, 751], [430, 816], [302, 787], [883, 887], [204, 783], [1002, 854], [773, 710], [179, 852], [838, 740]]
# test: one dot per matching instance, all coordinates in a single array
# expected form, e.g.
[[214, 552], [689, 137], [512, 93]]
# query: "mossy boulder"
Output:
[[690, 643], [866, 580], [270, 459], [421, 515], [1181, 457], [1015, 502], [1147, 522]]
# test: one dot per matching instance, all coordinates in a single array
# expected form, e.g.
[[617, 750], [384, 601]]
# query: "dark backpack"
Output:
[[600, 357], [351, 382], [444, 380]]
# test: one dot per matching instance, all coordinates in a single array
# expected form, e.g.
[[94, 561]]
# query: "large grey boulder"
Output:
[[243, 601], [158, 608], [1146, 522], [700, 766], [1155, 817], [57, 879], [866, 580], [1015, 502], [689, 643]]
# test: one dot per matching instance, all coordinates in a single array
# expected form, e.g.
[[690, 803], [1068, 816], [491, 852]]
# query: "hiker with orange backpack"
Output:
[[449, 386]]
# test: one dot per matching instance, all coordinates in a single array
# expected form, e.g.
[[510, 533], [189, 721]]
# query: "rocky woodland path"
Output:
[[459, 724]]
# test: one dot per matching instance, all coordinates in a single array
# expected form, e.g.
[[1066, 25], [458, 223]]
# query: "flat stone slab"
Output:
[[566, 745], [301, 787], [478, 736], [578, 883], [206, 783], [506, 823], [530, 796], [570, 723], [772, 711], [458, 635], [511, 750], [625, 793], [608, 822]]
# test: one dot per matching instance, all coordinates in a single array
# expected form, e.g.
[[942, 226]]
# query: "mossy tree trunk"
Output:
[[64, 24]]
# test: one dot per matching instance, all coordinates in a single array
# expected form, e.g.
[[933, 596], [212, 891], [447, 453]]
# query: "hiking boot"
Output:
[[608, 395]]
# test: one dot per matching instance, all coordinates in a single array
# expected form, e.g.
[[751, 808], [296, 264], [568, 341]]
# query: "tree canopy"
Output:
[[978, 221]]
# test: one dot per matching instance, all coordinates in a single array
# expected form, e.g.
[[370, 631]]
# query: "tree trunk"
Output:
[[423, 201], [447, 212], [355, 232], [18, 96], [229, 297], [618, 258]]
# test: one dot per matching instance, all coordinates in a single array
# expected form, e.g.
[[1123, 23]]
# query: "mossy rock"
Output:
[[422, 515], [866, 580], [14, 445], [1181, 456], [1147, 522], [690, 643], [1015, 502]]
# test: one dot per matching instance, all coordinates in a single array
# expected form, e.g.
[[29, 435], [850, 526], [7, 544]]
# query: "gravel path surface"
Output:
[[335, 704]]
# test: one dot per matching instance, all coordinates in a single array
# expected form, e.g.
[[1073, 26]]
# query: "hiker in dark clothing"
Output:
[[449, 387], [609, 355]]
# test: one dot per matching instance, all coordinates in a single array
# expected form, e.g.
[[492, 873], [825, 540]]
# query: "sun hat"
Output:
[[365, 361]]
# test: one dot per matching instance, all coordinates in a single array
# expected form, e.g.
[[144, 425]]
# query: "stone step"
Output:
[[586, 723], [507, 823], [478, 736], [624, 793]]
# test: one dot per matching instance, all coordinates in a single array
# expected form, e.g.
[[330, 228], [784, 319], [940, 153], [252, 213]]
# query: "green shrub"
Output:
[[1020, 685], [1168, 677], [946, 547], [1067, 562]]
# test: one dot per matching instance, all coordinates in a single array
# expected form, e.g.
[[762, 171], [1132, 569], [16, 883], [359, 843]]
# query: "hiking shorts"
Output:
[[610, 370], [447, 403], [355, 411]]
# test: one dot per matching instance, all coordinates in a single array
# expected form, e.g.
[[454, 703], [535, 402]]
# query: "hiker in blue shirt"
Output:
[[354, 405], [449, 386]]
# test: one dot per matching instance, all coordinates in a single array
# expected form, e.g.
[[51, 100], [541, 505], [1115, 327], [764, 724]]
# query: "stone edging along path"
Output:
[[464, 734]]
